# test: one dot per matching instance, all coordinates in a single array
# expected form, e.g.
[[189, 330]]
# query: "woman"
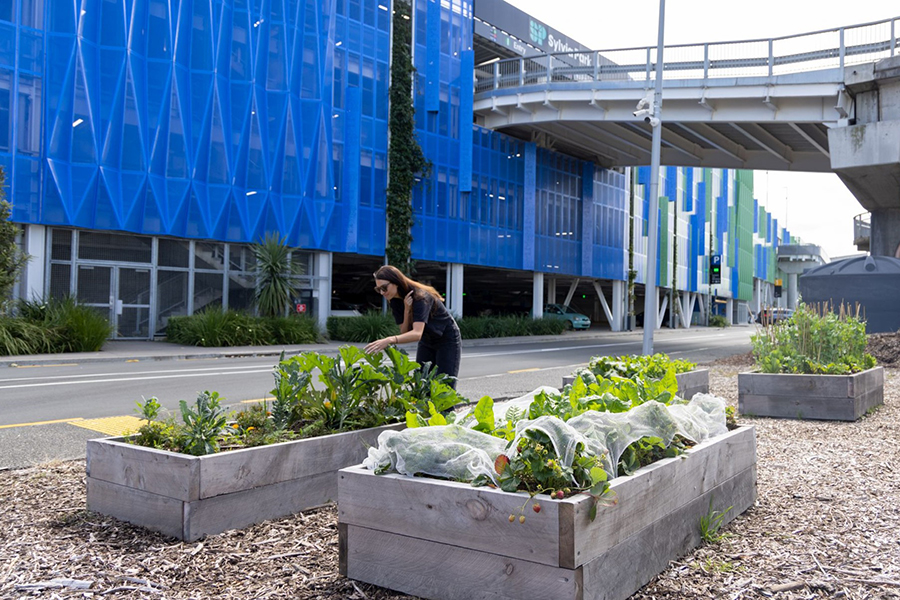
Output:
[[422, 317]]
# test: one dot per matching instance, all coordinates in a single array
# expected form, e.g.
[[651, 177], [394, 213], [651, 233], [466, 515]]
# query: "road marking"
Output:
[[588, 347], [96, 381], [198, 369], [45, 366], [525, 370], [70, 421], [255, 400], [110, 425]]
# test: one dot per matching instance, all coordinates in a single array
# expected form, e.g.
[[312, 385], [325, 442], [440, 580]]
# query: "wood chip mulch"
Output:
[[826, 525]]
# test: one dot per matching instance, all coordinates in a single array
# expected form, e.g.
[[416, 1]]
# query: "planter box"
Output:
[[825, 397], [188, 497], [449, 541], [690, 383]]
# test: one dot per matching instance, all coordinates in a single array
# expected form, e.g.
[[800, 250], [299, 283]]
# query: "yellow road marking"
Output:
[[256, 400], [72, 421], [524, 370], [110, 425]]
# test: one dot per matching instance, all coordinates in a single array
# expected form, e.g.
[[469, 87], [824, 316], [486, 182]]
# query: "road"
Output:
[[51, 405]]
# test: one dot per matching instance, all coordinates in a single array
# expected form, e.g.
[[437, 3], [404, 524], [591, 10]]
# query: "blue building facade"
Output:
[[147, 142]]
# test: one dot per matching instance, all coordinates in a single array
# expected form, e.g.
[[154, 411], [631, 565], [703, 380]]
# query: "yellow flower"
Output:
[[235, 426], [327, 404], [251, 428]]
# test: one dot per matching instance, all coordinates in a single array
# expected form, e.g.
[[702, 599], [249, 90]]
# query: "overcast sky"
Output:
[[815, 206]]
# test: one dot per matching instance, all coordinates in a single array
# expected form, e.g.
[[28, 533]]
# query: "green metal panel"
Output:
[[664, 241], [742, 243]]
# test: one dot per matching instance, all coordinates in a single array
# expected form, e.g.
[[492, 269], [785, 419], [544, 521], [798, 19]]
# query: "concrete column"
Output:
[[322, 287], [619, 306], [537, 297], [884, 238], [455, 275], [792, 291], [34, 274], [729, 310], [551, 289]]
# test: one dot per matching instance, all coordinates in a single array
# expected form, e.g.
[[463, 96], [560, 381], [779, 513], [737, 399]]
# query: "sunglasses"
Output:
[[381, 289]]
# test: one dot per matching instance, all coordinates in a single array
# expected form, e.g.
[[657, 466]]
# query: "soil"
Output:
[[824, 526], [885, 347]]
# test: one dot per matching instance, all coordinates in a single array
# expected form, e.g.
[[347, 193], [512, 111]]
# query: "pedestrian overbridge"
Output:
[[788, 104]]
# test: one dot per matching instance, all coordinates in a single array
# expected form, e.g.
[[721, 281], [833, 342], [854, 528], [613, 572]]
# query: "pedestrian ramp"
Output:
[[114, 426]]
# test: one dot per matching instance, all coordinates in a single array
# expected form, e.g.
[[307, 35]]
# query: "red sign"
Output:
[[301, 308]]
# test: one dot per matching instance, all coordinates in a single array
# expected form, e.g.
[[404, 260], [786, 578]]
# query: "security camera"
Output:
[[652, 120], [644, 112]]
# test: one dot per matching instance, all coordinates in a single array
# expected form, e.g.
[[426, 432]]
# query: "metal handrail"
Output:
[[817, 50]]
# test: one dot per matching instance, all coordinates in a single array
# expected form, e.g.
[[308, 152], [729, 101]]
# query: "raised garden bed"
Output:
[[450, 541], [822, 397], [188, 497], [690, 383]]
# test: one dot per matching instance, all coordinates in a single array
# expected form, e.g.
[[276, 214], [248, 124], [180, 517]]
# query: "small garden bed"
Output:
[[812, 366], [447, 540], [212, 473]]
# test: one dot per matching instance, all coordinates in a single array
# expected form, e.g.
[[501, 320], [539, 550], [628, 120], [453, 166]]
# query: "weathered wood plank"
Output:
[[447, 572], [864, 382], [796, 407], [153, 511], [655, 490], [210, 516], [248, 468], [693, 382], [628, 566], [156, 471], [784, 384], [450, 512]]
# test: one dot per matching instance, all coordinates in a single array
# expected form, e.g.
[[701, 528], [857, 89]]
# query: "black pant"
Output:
[[444, 352]]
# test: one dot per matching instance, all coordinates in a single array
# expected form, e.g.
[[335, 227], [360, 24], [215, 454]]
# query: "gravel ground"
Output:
[[825, 525]]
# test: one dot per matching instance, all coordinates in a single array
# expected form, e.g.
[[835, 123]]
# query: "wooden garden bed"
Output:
[[449, 541], [690, 383], [822, 397], [188, 497]]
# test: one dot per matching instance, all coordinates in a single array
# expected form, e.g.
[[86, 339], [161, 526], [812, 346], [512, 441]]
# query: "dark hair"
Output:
[[405, 284]]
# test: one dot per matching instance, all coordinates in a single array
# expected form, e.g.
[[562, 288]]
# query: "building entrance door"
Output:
[[121, 294]]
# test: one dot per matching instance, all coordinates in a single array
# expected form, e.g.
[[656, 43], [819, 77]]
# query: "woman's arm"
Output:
[[407, 323], [412, 335]]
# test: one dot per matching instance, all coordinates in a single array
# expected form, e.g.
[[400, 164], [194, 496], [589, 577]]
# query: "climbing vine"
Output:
[[404, 153]]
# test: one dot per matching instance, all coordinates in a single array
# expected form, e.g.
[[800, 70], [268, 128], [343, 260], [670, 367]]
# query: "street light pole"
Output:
[[650, 299]]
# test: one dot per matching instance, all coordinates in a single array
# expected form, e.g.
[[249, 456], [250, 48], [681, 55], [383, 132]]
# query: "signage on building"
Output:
[[508, 26], [715, 269]]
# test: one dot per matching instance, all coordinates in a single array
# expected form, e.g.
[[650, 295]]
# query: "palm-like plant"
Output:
[[274, 275]]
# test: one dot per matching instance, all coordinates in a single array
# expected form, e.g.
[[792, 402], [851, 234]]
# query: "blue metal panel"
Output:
[[351, 169], [587, 219], [466, 100], [689, 190], [529, 207], [433, 57]]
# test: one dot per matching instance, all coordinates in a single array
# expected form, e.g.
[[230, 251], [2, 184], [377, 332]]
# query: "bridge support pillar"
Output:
[[793, 290], [455, 277], [885, 233]]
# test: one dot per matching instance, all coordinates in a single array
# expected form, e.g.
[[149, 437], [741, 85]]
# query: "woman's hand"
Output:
[[379, 345], [408, 301]]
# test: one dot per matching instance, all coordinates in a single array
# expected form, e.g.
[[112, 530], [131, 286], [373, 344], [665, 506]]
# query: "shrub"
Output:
[[508, 326], [718, 321], [371, 326], [814, 340], [294, 329], [54, 325]]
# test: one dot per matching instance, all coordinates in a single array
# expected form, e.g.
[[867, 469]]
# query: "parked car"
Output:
[[771, 315], [574, 319], [340, 308]]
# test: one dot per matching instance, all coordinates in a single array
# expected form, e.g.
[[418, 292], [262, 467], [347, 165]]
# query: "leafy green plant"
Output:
[[214, 327], [53, 325], [293, 329], [204, 424], [274, 275], [655, 366], [814, 340], [153, 433], [711, 523]]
